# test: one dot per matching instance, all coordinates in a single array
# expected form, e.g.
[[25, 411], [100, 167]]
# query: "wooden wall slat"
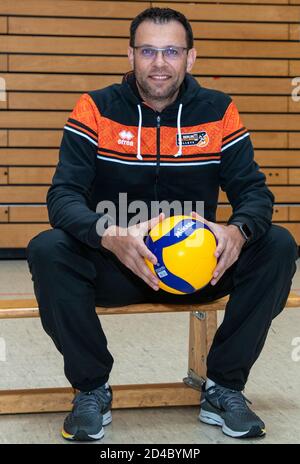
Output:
[[18, 235], [52, 119], [280, 213], [118, 46], [3, 176], [56, 120], [294, 106], [31, 138], [259, 13], [256, 2], [95, 65], [294, 140], [276, 176], [52, 138], [294, 213], [66, 101], [18, 194], [36, 119], [294, 176], [284, 194], [37, 194], [3, 214], [92, 9], [110, 27], [28, 214], [80, 83], [52, 101], [35, 175], [3, 63], [43, 175], [40, 213], [49, 157], [29, 156], [3, 138], [278, 157], [3, 25]]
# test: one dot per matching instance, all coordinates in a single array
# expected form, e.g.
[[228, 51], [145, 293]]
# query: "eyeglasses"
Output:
[[169, 53]]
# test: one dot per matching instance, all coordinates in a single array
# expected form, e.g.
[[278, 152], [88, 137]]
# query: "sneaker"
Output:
[[229, 410], [90, 412]]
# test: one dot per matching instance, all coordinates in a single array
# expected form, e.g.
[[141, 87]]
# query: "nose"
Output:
[[159, 58]]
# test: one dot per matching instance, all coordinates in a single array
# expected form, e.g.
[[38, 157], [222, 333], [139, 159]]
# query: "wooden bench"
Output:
[[203, 325]]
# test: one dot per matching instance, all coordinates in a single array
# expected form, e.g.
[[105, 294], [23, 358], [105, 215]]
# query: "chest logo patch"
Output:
[[200, 139], [125, 138]]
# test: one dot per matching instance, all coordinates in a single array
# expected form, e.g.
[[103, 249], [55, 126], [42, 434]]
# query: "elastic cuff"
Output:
[[97, 230], [222, 383], [89, 386]]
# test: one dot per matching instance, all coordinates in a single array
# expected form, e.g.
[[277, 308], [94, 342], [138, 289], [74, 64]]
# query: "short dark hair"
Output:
[[161, 16]]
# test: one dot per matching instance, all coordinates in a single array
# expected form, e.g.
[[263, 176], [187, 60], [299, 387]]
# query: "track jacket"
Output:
[[114, 142]]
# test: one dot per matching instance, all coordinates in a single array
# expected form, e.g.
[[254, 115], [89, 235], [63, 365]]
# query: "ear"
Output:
[[130, 53], [191, 58]]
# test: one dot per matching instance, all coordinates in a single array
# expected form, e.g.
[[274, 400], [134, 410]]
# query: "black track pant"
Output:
[[70, 278]]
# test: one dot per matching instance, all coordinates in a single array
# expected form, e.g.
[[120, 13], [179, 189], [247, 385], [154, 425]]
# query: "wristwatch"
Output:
[[244, 229]]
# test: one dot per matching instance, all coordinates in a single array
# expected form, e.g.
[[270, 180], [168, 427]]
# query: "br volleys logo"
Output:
[[125, 138], [199, 139]]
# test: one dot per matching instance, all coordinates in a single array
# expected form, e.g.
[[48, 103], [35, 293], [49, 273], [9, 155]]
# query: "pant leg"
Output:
[[262, 280], [69, 279]]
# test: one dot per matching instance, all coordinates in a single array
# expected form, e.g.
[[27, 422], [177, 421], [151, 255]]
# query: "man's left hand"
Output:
[[230, 244]]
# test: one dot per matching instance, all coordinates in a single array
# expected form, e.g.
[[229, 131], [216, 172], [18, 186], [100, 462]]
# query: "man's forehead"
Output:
[[165, 34]]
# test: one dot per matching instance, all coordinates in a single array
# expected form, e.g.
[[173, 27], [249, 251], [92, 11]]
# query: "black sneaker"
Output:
[[90, 412], [229, 410]]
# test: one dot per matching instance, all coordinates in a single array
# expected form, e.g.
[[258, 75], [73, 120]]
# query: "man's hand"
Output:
[[129, 247], [230, 244]]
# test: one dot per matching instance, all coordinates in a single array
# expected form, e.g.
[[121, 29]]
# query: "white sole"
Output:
[[214, 419], [107, 419]]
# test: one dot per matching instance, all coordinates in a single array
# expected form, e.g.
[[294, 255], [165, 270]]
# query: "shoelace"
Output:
[[90, 402], [234, 400]]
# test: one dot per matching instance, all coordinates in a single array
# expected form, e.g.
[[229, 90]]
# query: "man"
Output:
[[157, 136]]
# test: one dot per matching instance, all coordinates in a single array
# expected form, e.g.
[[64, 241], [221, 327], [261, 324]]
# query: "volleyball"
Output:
[[184, 247]]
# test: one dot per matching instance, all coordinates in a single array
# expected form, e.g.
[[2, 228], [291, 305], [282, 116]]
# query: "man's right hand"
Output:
[[129, 247]]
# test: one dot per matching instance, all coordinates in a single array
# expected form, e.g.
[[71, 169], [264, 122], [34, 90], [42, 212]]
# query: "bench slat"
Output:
[[24, 308]]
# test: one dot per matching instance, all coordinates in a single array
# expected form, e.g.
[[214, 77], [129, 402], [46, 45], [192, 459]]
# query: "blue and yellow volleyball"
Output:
[[184, 247]]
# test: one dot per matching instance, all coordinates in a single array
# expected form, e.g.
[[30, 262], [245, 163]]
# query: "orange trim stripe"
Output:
[[82, 130], [235, 136]]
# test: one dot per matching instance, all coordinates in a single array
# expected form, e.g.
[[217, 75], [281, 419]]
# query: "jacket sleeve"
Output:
[[68, 196], [240, 177]]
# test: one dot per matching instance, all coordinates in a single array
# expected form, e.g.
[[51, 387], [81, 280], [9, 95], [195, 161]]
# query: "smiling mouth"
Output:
[[159, 78]]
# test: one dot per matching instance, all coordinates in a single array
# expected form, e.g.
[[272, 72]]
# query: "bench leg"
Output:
[[203, 326]]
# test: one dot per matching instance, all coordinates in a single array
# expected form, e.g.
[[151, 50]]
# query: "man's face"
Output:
[[160, 35]]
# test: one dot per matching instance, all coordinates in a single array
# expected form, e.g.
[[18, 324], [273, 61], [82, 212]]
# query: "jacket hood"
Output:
[[188, 91]]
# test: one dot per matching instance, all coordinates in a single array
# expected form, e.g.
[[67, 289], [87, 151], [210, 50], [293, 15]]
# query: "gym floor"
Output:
[[145, 352]]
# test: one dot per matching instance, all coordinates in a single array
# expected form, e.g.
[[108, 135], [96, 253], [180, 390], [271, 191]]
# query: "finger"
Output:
[[144, 251], [152, 222], [139, 267], [220, 247], [197, 216], [210, 224], [221, 267]]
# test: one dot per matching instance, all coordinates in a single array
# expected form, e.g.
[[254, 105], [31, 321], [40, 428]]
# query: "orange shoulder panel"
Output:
[[232, 123], [86, 112]]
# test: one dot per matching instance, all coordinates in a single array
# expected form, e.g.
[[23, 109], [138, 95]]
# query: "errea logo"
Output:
[[125, 138]]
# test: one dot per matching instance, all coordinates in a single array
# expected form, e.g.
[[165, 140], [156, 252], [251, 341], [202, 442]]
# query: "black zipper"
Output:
[[158, 119]]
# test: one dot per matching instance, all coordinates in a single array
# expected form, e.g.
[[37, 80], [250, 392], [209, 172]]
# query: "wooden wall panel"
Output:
[[49, 56]]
